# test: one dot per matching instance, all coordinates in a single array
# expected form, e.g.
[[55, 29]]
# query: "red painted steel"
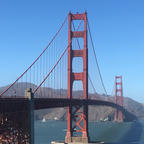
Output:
[[77, 116], [118, 97]]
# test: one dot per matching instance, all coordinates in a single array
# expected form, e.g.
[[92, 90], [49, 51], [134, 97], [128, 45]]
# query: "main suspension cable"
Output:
[[96, 59], [37, 57], [56, 62]]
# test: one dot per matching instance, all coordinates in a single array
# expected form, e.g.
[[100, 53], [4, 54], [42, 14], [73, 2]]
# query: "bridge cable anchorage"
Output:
[[55, 63], [88, 74], [36, 58], [96, 59]]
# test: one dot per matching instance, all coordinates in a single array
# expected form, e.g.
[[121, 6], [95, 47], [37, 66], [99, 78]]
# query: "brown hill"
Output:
[[96, 113]]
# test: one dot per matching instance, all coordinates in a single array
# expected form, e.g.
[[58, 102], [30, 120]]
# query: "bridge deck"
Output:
[[21, 104]]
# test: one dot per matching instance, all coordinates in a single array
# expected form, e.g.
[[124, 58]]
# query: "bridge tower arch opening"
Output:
[[77, 116], [118, 97]]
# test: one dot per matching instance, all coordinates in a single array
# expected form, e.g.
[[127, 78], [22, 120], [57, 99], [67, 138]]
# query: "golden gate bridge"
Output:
[[63, 67]]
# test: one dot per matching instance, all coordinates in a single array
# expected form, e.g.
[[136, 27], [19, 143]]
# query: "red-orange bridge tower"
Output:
[[77, 116]]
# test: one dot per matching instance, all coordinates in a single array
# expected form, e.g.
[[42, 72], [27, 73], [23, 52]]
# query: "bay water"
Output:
[[109, 132]]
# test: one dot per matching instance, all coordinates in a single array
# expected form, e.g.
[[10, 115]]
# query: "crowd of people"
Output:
[[12, 131], [13, 137]]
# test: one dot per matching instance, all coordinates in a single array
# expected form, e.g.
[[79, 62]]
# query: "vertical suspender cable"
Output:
[[36, 58], [96, 59]]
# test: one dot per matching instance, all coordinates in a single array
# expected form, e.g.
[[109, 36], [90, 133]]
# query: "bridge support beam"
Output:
[[118, 98], [77, 116], [29, 94]]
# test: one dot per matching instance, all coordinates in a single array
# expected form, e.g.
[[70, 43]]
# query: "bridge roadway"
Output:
[[21, 104], [8, 105]]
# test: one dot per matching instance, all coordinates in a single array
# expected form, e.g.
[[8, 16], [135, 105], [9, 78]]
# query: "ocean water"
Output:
[[109, 132]]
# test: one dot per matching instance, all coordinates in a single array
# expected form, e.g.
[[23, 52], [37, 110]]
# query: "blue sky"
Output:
[[117, 28]]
